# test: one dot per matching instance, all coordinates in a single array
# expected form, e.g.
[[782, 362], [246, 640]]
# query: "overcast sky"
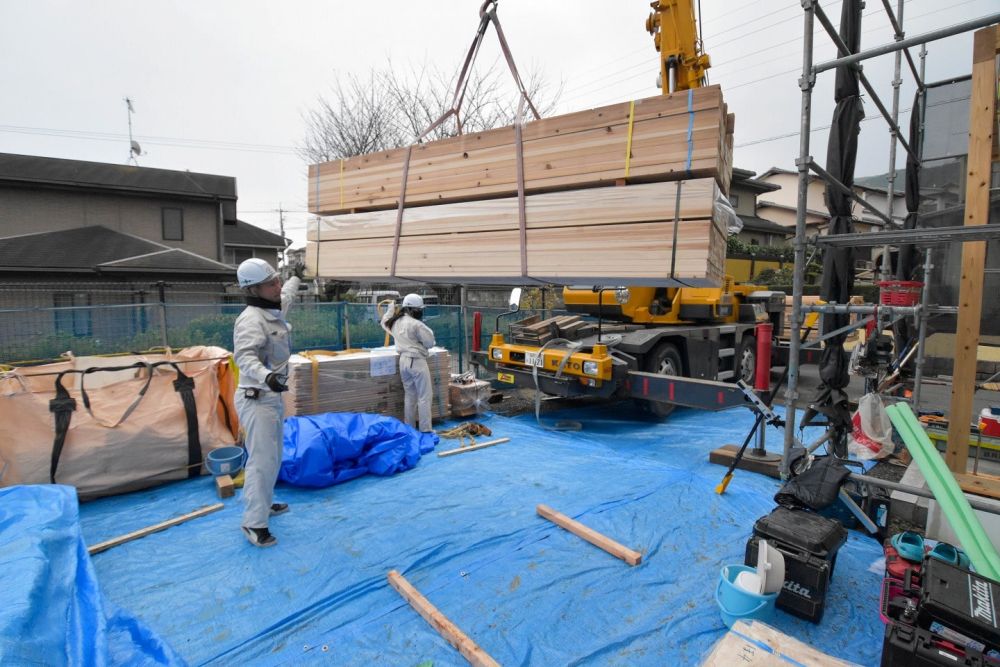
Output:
[[220, 86]]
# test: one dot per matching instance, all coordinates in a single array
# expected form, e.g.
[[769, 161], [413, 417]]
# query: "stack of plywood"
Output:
[[535, 331], [603, 192], [361, 381], [623, 234]]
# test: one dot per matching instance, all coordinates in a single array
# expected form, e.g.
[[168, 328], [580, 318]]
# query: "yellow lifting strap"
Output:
[[628, 144]]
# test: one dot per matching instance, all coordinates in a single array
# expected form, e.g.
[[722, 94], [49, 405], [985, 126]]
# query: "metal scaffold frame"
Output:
[[812, 11]]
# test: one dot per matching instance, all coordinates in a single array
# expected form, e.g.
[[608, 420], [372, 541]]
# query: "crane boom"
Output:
[[674, 29]]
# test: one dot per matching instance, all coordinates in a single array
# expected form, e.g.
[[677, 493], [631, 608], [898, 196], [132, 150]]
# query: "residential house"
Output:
[[241, 241], [743, 193], [80, 242], [781, 205]]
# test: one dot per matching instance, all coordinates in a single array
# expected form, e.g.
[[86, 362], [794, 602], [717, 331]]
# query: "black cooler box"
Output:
[[809, 543]]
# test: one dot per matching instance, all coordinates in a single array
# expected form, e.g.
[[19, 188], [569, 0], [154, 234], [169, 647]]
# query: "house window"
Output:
[[734, 199], [173, 224], [235, 256], [75, 318]]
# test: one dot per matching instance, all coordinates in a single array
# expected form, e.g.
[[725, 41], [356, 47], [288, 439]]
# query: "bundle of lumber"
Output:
[[667, 137], [536, 331], [647, 234], [359, 381]]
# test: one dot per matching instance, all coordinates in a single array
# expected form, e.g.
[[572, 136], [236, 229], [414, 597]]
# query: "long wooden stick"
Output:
[[472, 448], [121, 539], [628, 555], [468, 648]]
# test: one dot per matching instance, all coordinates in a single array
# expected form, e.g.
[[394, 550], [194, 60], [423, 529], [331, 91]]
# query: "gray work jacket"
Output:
[[262, 341]]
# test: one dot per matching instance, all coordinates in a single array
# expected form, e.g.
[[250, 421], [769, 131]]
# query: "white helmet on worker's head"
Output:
[[413, 301], [254, 271]]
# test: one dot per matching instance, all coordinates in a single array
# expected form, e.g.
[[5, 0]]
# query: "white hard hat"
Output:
[[413, 301], [254, 271]]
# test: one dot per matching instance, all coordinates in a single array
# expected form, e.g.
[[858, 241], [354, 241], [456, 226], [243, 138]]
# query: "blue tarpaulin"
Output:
[[464, 531], [51, 608], [331, 448]]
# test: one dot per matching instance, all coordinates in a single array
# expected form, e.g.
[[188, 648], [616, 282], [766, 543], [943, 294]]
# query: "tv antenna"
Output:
[[135, 149]]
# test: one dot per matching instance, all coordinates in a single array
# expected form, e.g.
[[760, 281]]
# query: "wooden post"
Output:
[[472, 448], [982, 112], [128, 537], [468, 648], [597, 539]]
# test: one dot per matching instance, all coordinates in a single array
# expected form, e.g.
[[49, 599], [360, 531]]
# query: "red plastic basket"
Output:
[[900, 292]]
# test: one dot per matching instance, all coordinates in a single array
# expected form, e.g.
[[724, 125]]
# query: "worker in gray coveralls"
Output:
[[261, 348], [414, 339]]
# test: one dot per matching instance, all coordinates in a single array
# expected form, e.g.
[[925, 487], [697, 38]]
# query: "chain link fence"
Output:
[[39, 334]]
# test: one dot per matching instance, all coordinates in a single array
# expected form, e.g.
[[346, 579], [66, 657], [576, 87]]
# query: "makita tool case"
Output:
[[960, 600], [809, 543]]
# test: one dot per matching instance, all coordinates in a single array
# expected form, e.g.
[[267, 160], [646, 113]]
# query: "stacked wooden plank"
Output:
[[622, 234], [362, 381], [667, 137], [622, 193], [535, 331]]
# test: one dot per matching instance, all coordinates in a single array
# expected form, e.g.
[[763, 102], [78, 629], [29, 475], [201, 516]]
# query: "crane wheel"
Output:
[[665, 360]]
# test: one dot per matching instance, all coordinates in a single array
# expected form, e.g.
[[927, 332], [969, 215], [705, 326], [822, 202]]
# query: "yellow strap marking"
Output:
[[628, 146]]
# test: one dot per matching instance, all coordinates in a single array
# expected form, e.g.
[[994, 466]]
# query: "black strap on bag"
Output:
[[184, 385], [63, 406]]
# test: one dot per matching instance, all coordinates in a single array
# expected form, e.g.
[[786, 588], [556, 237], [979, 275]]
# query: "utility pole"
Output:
[[281, 226]]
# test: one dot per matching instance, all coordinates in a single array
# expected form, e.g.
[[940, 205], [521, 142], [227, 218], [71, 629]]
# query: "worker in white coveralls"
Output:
[[414, 339], [261, 347]]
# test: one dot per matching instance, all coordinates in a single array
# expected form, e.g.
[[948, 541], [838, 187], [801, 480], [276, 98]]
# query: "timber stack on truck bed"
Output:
[[449, 210]]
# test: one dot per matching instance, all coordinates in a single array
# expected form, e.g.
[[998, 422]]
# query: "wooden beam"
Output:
[[468, 648], [128, 537], [473, 448], [980, 484], [617, 550], [982, 111]]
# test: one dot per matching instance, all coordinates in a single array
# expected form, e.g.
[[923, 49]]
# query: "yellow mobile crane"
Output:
[[661, 334]]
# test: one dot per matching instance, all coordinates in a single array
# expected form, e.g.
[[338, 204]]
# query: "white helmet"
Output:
[[254, 271], [413, 301]]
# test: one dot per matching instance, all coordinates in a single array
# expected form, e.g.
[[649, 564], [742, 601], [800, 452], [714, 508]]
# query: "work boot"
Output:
[[279, 508], [259, 537]]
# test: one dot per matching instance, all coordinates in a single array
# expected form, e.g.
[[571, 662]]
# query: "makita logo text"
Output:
[[798, 589], [982, 601]]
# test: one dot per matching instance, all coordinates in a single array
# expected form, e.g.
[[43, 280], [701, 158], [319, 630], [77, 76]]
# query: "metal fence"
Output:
[[34, 335]]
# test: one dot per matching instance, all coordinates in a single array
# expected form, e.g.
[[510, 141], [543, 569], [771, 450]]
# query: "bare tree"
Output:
[[392, 107]]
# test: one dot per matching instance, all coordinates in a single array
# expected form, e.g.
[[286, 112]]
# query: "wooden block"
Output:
[[617, 550], [452, 634], [128, 537], [979, 484], [725, 455], [224, 486]]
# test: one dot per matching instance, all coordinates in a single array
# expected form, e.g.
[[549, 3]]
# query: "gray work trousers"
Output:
[[262, 420], [416, 377]]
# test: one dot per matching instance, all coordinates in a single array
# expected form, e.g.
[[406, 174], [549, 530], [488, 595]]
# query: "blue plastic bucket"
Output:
[[736, 603], [225, 460]]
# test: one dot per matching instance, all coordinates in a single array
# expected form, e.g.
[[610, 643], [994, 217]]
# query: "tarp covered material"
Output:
[[52, 611], [464, 531], [330, 448]]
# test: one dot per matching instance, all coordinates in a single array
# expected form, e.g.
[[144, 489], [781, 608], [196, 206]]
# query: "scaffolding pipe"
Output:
[[850, 309], [931, 36], [897, 28], [828, 177], [806, 83], [918, 374], [916, 491]]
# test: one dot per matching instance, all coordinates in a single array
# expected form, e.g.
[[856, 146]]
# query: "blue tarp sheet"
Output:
[[332, 448], [51, 608], [464, 531]]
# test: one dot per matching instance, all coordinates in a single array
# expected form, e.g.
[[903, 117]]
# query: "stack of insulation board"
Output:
[[603, 189], [360, 381]]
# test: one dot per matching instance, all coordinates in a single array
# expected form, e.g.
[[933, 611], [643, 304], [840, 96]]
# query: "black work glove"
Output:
[[299, 270], [274, 383]]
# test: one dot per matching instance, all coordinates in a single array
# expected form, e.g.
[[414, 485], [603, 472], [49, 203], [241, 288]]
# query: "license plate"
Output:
[[505, 377], [534, 359]]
